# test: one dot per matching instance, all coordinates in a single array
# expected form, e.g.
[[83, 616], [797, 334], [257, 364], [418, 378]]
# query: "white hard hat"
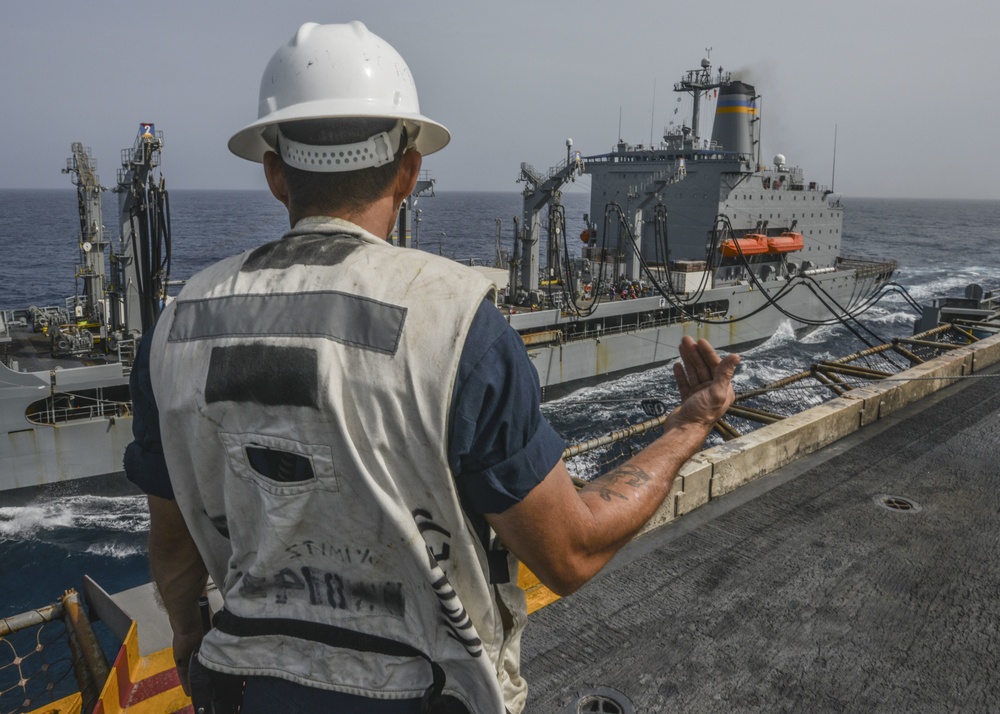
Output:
[[336, 71]]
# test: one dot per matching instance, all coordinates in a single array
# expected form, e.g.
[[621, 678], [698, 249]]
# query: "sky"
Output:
[[907, 88]]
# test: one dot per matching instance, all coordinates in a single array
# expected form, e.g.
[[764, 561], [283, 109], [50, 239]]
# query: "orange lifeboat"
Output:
[[750, 244], [785, 243]]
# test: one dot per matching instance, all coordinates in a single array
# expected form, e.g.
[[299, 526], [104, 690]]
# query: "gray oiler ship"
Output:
[[690, 236]]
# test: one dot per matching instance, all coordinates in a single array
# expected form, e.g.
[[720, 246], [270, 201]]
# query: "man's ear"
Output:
[[274, 172], [406, 179]]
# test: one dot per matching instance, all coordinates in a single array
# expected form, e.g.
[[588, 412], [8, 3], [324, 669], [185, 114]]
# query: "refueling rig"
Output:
[[65, 410]]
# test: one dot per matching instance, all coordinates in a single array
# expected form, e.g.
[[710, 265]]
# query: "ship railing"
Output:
[[698, 155], [666, 177], [598, 329], [84, 408], [126, 354], [15, 318], [532, 174], [51, 655], [473, 262], [562, 165]]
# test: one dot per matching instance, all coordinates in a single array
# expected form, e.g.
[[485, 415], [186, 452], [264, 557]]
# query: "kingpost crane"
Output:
[[539, 191]]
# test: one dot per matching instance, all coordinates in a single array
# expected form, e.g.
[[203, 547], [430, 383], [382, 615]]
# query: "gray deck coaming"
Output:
[[797, 592]]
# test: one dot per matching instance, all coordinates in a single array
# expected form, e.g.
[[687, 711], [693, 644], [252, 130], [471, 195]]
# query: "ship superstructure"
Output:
[[690, 235], [703, 181]]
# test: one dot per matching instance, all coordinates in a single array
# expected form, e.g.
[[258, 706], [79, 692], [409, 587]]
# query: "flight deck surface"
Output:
[[864, 577]]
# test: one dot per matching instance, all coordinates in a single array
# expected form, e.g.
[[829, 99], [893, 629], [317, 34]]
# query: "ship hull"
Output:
[[43, 456], [62, 424], [564, 365]]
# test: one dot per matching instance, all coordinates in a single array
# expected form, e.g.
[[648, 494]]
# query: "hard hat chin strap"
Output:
[[376, 150]]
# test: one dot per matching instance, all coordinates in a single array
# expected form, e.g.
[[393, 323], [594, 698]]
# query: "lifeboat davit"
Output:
[[750, 244], [785, 243]]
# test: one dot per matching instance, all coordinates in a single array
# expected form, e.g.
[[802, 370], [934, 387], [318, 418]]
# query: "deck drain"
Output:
[[601, 700], [897, 503]]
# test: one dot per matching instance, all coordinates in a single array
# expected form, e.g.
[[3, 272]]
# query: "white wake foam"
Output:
[[101, 525]]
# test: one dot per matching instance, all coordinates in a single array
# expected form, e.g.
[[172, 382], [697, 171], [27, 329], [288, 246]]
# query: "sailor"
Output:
[[346, 435]]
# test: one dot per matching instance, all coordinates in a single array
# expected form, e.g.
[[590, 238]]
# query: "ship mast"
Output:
[[696, 82]]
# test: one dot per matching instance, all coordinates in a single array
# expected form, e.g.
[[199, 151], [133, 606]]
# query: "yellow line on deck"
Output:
[[538, 595]]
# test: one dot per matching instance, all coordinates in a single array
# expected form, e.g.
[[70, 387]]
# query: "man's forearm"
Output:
[[624, 499], [180, 576], [566, 536]]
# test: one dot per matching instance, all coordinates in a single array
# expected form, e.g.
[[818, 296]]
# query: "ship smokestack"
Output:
[[733, 115]]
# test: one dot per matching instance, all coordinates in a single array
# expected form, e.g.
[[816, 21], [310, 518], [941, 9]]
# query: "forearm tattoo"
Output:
[[625, 475]]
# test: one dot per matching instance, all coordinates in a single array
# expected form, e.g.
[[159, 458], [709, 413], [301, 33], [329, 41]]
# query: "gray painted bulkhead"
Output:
[[714, 184]]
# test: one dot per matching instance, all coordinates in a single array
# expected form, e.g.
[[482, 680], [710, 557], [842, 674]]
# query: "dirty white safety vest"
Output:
[[304, 391]]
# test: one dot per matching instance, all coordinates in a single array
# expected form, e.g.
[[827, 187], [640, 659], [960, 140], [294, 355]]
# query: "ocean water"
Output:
[[48, 543]]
